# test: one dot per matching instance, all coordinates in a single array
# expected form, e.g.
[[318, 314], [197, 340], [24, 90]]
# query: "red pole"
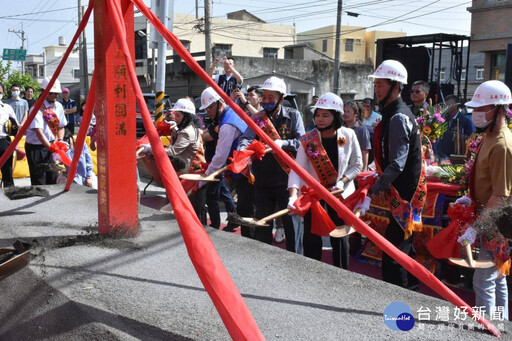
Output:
[[115, 125]]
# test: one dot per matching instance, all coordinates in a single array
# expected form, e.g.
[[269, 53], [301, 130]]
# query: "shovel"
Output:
[[211, 177], [202, 177], [469, 262], [345, 230], [14, 264], [250, 222]]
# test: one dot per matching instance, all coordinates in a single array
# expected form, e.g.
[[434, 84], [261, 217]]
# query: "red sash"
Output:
[[407, 214], [51, 119], [262, 120], [197, 166], [312, 144]]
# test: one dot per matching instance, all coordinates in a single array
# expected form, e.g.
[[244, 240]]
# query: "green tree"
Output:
[[9, 77]]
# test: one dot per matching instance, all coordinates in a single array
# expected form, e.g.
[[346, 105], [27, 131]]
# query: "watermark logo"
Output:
[[398, 316]]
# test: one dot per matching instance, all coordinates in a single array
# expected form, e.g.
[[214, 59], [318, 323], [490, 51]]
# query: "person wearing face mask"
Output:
[[19, 104], [338, 148], [46, 128], [284, 125], [490, 181], [398, 158], [7, 116]]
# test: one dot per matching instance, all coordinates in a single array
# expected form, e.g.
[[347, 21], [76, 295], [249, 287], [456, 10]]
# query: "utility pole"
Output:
[[166, 16], [336, 82], [84, 67], [21, 35], [207, 37], [197, 9]]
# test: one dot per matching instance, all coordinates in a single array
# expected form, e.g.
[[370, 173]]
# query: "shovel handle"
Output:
[[287, 210], [274, 215], [469, 254]]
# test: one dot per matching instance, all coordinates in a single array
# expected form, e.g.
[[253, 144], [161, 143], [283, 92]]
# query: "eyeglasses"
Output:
[[415, 91]]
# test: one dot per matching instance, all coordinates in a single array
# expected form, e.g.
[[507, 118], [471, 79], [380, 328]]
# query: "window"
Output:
[[288, 53], [186, 43], [40, 71], [463, 75], [349, 45], [479, 73], [442, 74], [269, 52], [498, 66], [324, 45], [222, 49], [76, 73], [141, 47]]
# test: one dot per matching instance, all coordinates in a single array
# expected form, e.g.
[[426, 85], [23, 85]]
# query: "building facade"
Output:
[[491, 31]]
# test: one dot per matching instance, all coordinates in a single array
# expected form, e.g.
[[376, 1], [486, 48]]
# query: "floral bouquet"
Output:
[[431, 122]]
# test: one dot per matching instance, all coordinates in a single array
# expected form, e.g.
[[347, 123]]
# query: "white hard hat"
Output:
[[275, 84], [56, 86], [208, 97], [184, 105], [391, 69], [490, 92], [329, 101]]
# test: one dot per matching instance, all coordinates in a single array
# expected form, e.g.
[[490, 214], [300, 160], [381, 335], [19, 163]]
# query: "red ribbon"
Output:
[[321, 224], [61, 148], [240, 159], [444, 244]]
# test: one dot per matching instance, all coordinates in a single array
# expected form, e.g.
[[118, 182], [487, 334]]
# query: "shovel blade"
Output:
[[14, 264], [479, 264], [197, 177]]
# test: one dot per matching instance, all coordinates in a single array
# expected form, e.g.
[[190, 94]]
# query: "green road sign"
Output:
[[14, 54]]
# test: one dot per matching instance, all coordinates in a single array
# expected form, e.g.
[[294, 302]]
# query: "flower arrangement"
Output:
[[472, 148], [508, 118], [431, 122], [52, 120], [341, 141], [312, 150]]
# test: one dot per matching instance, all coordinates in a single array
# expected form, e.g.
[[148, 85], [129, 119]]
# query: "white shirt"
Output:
[[40, 123], [350, 163], [227, 134], [6, 111]]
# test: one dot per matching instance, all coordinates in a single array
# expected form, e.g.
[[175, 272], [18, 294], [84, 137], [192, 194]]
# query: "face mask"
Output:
[[15, 93], [1, 96], [479, 120], [268, 107]]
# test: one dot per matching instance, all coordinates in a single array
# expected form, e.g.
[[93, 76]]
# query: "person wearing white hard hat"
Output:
[[398, 159], [46, 128], [226, 129], [284, 125], [490, 184], [338, 148]]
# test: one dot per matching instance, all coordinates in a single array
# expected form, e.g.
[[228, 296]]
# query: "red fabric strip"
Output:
[[227, 299], [82, 134], [45, 93], [407, 262]]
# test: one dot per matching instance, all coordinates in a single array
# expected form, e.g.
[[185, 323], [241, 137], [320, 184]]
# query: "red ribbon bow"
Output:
[[61, 148], [240, 159], [321, 223]]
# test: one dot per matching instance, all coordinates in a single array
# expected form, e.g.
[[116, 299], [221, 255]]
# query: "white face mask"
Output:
[[15, 93], [479, 120]]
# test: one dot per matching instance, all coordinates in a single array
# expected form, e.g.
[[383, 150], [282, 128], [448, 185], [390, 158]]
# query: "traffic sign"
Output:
[[14, 54]]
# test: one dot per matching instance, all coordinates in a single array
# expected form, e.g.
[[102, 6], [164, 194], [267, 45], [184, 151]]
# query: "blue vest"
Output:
[[228, 116]]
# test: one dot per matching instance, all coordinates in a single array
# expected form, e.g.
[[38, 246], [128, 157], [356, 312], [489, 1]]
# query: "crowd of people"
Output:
[[48, 139], [348, 138], [332, 140]]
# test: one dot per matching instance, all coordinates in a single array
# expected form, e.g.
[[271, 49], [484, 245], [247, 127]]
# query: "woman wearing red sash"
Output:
[[332, 155], [186, 152]]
